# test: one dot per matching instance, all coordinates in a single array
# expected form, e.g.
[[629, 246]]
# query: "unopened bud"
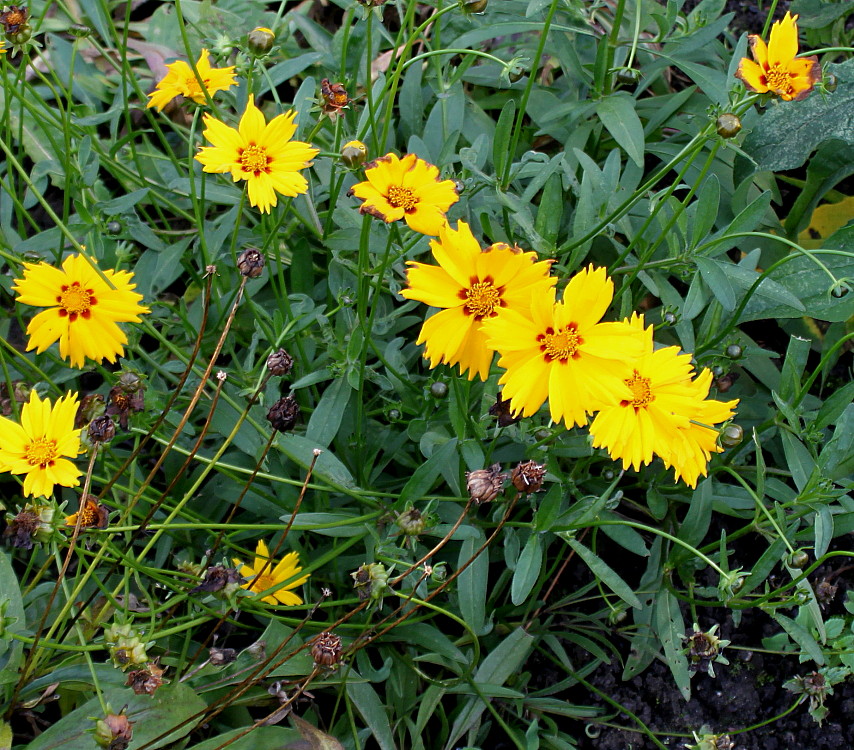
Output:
[[474, 6], [628, 76], [411, 522], [261, 41], [728, 125], [113, 732], [79, 30], [732, 435], [280, 362], [250, 263], [354, 153]]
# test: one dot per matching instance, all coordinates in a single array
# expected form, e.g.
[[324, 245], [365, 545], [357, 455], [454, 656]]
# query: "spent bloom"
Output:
[[260, 152], [83, 308], [181, 81], [408, 189], [561, 352], [470, 286], [41, 444], [777, 69], [263, 575]]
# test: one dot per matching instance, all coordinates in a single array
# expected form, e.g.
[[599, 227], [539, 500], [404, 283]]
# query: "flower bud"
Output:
[[125, 646], [528, 476], [326, 650], [113, 732], [438, 389], [799, 559], [411, 522], [102, 429], [628, 76], [830, 82], [354, 153], [79, 30], [732, 435], [484, 485], [250, 263], [734, 351], [284, 413], [728, 125], [260, 41], [371, 581], [474, 6], [280, 362]]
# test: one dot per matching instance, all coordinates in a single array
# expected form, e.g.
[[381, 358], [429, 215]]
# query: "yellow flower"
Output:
[[471, 285], [181, 81], [777, 69], [83, 309], [36, 446], [562, 352], [269, 576], [407, 188], [260, 152]]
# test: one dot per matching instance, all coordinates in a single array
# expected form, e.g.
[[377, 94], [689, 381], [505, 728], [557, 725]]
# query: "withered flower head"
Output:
[[371, 581], [280, 362], [94, 515], [250, 263], [335, 98], [283, 414], [501, 411], [825, 592], [146, 680], [14, 18], [528, 476], [484, 485], [33, 523], [222, 656], [92, 405], [704, 648], [326, 650], [102, 429], [20, 393], [114, 731], [126, 397], [217, 578]]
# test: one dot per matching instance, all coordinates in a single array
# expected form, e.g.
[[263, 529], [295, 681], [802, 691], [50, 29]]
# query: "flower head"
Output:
[[407, 188], [561, 352], [471, 285], [263, 575], [38, 446], [181, 81], [777, 69], [83, 308], [260, 152]]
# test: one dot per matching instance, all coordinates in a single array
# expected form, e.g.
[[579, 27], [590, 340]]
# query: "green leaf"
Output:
[[527, 569], [328, 468], [10, 594], [823, 525], [501, 155], [785, 136], [705, 209], [618, 115], [816, 14], [603, 571], [260, 738], [330, 410], [550, 210], [715, 278], [801, 636], [798, 459], [836, 460], [793, 367], [425, 476], [472, 582], [670, 628], [369, 705]]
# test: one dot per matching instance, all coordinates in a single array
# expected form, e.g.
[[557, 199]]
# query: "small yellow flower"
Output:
[[407, 188], [561, 352], [38, 445], [83, 309], [268, 576], [260, 152], [777, 69], [181, 81], [471, 285]]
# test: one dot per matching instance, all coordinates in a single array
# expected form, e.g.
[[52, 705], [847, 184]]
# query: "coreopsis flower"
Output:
[[41, 445], [260, 152], [471, 285], [263, 575], [83, 309], [561, 352], [408, 189], [181, 81], [777, 69], [92, 515], [653, 415]]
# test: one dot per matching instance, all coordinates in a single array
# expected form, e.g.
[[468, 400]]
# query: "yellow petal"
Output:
[[783, 42]]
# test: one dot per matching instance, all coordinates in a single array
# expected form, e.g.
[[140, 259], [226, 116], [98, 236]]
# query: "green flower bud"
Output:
[[260, 41], [728, 125]]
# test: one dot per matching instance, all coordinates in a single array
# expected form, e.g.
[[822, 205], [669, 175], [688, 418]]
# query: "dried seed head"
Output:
[[326, 650], [114, 731], [102, 429], [91, 406], [260, 41], [528, 476], [14, 20], [34, 523], [146, 680], [334, 98], [250, 263], [704, 648], [484, 485], [825, 592], [280, 362], [126, 398], [411, 522], [217, 578], [283, 414], [221, 656]]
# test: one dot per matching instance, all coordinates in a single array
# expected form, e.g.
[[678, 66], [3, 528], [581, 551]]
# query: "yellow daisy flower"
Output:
[[260, 152], [561, 352], [777, 69], [269, 575], [36, 446], [181, 81], [471, 285], [407, 188], [83, 309]]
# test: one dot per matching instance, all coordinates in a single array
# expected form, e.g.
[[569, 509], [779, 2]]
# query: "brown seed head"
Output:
[[14, 18], [146, 680], [283, 414], [528, 476], [250, 263], [280, 362], [217, 577], [501, 411], [102, 429], [21, 529], [326, 650], [484, 485]]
